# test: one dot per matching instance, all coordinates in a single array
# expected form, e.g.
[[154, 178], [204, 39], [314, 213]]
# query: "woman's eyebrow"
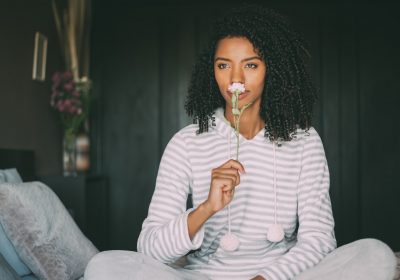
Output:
[[245, 59], [221, 58], [251, 58]]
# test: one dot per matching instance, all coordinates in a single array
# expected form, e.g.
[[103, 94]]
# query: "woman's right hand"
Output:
[[224, 180]]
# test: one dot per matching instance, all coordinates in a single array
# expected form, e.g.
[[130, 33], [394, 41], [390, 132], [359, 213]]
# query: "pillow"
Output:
[[10, 255], [31, 277], [6, 271], [6, 248], [10, 175], [43, 233]]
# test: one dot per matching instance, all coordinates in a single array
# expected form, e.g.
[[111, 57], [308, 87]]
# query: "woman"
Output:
[[253, 163]]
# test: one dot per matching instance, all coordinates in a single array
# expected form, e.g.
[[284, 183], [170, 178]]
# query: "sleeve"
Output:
[[164, 235], [315, 237]]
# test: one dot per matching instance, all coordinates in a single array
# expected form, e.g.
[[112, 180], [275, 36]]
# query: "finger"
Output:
[[233, 164], [227, 171], [230, 170], [224, 183], [230, 193], [228, 189], [234, 177]]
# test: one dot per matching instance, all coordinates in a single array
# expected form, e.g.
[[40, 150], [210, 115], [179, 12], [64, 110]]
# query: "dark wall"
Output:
[[142, 58], [26, 119]]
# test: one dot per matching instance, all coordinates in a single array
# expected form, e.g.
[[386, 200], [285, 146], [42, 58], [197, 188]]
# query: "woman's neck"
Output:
[[250, 121]]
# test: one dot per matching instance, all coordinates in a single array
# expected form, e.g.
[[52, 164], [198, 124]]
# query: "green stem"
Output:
[[237, 127]]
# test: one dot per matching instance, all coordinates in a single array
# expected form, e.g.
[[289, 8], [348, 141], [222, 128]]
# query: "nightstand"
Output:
[[86, 198]]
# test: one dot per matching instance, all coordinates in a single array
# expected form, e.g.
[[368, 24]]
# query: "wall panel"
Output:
[[144, 65]]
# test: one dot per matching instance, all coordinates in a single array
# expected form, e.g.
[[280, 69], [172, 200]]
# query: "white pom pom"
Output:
[[229, 242], [275, 233]]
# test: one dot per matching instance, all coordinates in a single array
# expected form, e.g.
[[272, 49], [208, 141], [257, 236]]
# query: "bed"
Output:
[[397, 276], [39, 239]]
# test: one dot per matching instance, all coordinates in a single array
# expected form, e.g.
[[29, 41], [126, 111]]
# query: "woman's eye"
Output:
[[251, 65], [222, 65]]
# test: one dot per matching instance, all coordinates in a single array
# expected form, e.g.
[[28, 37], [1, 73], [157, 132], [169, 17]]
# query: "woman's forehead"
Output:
[[235, 47]]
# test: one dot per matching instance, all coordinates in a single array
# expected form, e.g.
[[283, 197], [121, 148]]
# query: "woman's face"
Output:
[[236, 61]]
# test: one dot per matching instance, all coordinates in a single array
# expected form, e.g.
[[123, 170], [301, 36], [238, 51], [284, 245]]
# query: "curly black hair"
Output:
[[289, 93]]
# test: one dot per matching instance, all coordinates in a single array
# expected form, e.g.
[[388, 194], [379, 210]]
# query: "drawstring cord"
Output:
[[229, 205], [229, 242], [275, 233], [274, 150]]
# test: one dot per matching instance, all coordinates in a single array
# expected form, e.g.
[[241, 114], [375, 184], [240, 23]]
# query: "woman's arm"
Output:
[[224, 179], [170, 231], [164, 234]]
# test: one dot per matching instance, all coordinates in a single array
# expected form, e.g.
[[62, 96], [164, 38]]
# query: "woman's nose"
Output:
[[237, 75]]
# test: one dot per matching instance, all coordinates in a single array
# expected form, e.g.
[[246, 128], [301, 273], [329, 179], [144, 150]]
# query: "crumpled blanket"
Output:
[[397, 275]]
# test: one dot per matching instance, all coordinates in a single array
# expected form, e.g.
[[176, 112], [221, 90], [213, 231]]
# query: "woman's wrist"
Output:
[[207, 209], [197, 218]]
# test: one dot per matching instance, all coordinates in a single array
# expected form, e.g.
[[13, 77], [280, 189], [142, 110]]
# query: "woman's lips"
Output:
[[243, 95]]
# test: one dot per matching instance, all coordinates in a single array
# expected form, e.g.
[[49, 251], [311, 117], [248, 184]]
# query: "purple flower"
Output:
[[67, 98], [67, 75], [60, 106], [67, 103], [69, 87]]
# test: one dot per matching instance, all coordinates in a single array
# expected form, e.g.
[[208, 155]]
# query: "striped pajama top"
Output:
[[303, 204]]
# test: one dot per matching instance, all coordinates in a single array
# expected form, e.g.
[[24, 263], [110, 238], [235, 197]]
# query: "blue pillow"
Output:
[[30, 277], [10, 176], [10, 255], [6, 248], [6, 271]]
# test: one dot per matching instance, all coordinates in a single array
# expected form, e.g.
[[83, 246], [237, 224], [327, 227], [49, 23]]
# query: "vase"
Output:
[[69, 154], [82, 152]]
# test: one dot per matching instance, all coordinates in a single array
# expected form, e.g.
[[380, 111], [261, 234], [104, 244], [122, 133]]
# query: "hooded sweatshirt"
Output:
[[303, 206]]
